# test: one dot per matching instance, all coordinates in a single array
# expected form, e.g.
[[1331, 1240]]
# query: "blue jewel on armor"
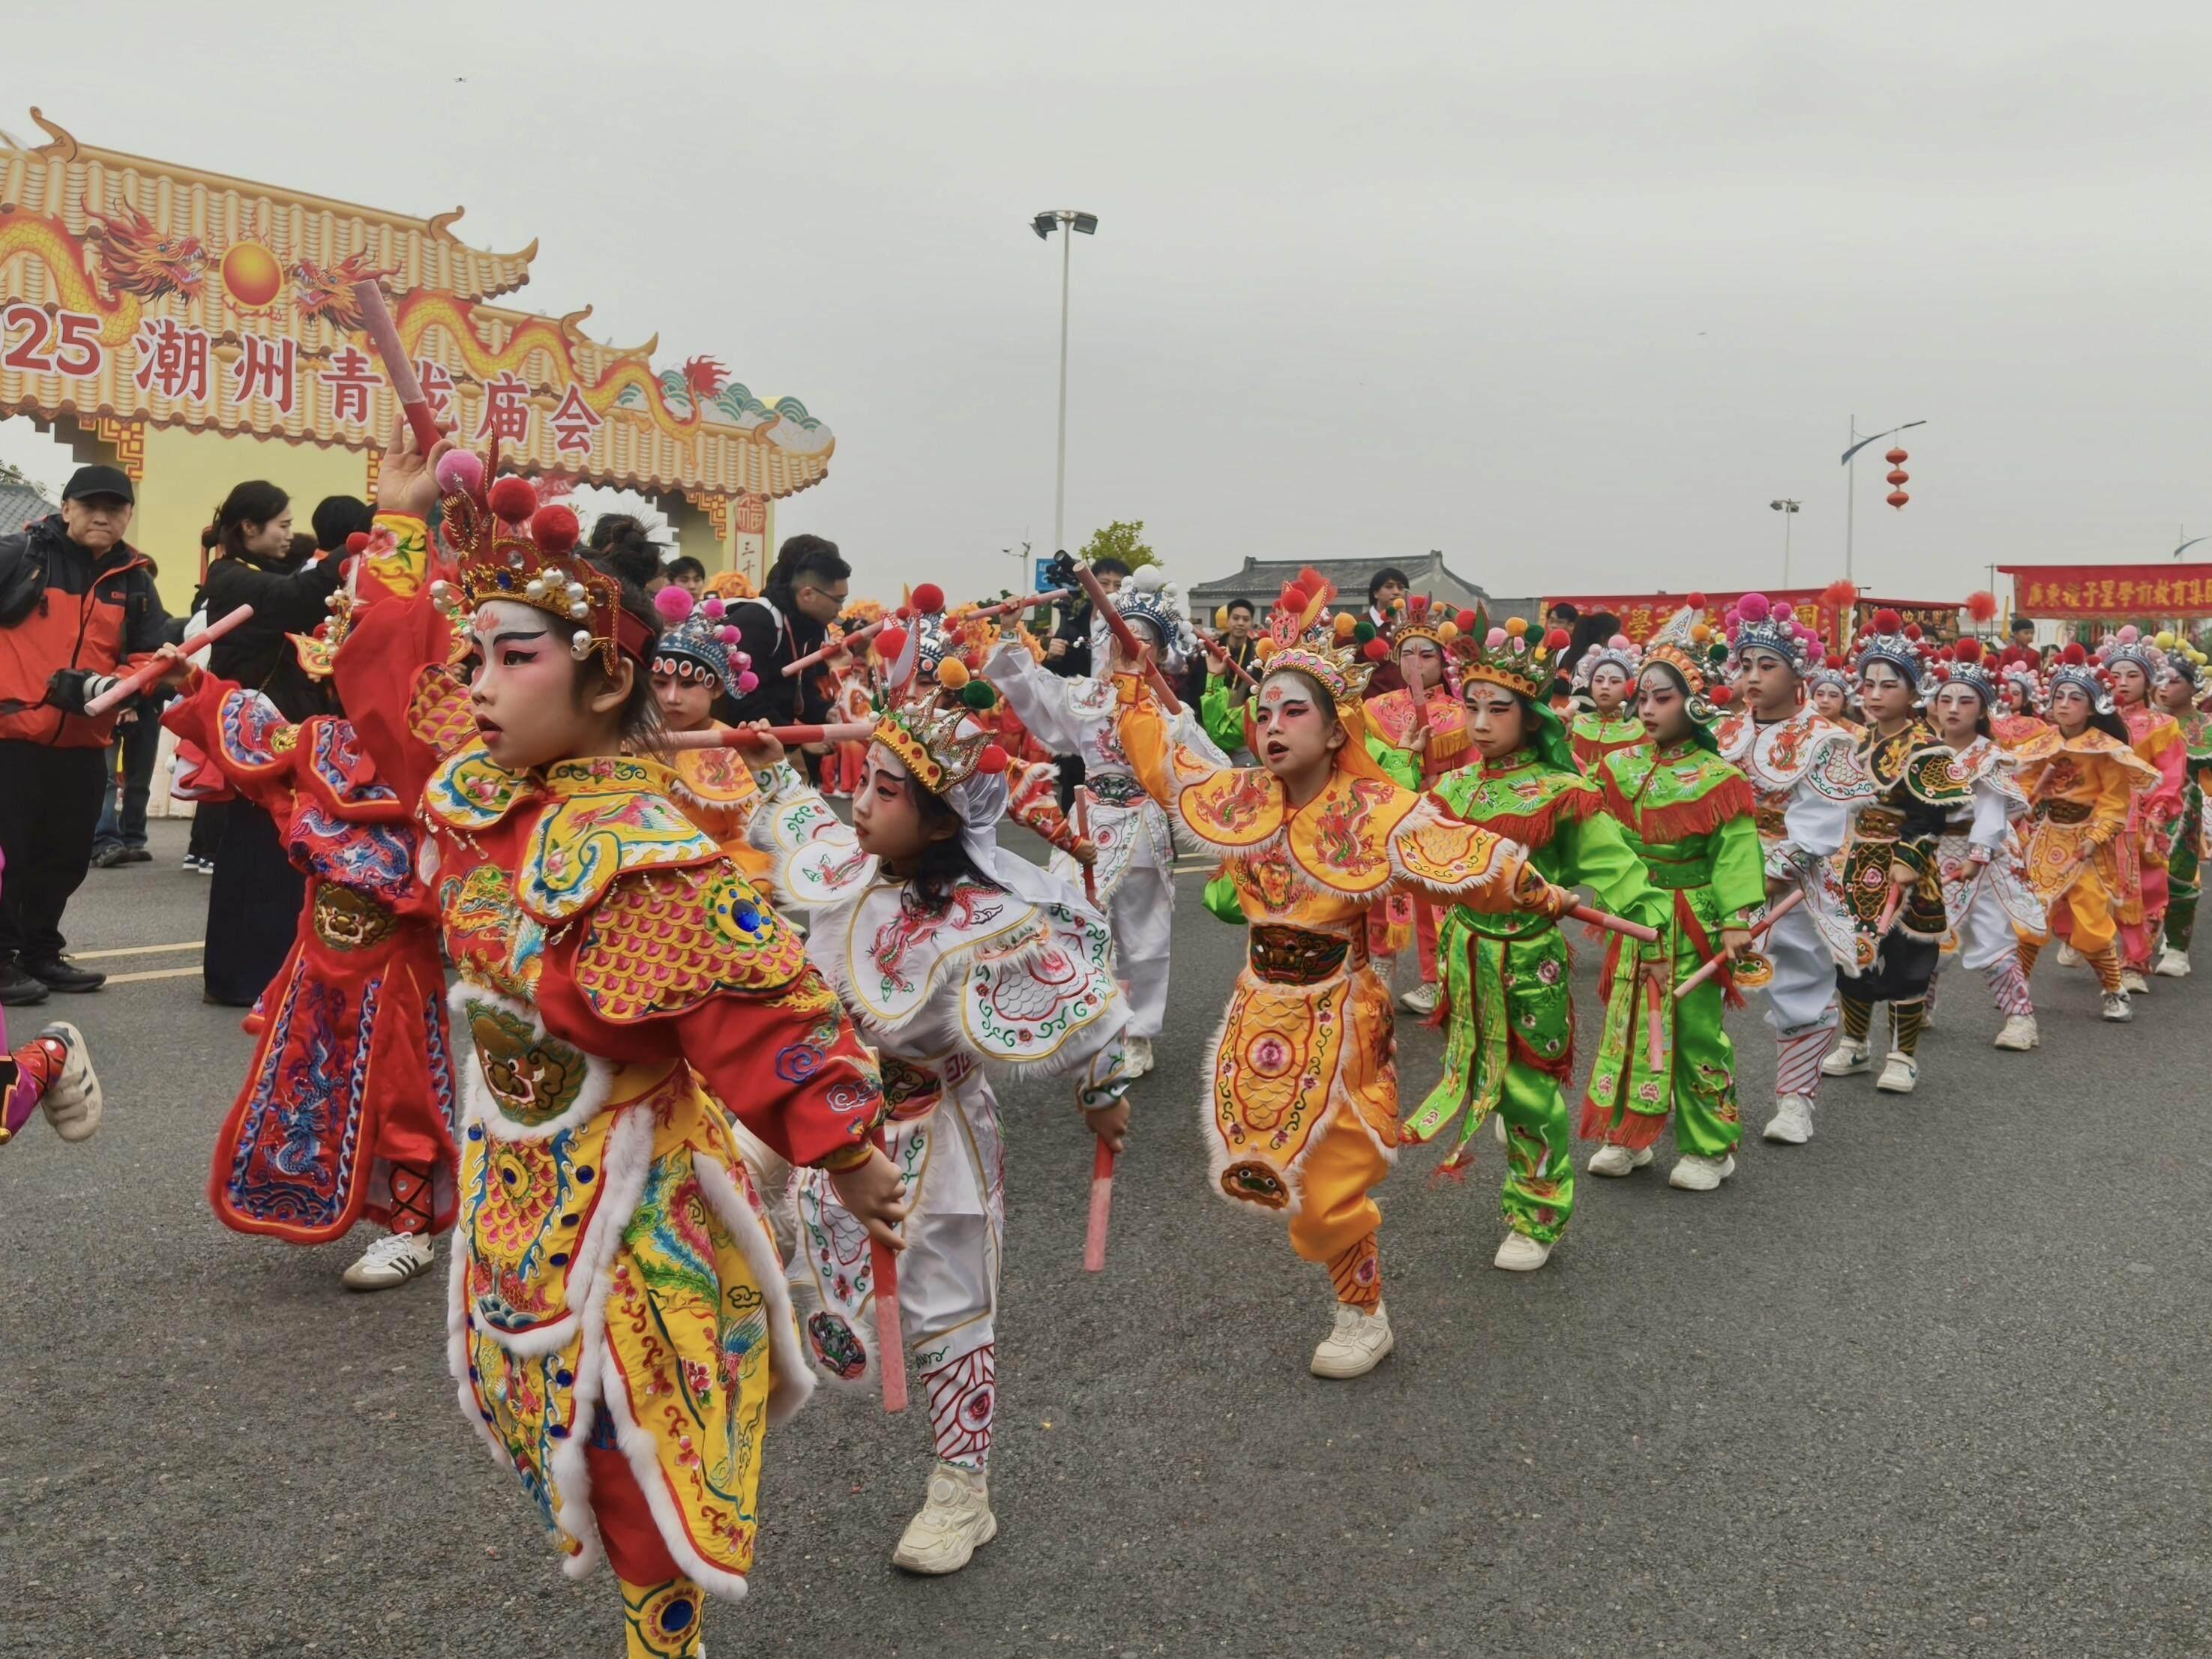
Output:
[[583, 1172], [558, 1431], [749, 919], [676, 1615], [476, 1132], [559, 1258], [566, 1379], [505, 582]]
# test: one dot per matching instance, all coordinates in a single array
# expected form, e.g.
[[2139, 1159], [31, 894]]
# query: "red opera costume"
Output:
[[348, 1106]]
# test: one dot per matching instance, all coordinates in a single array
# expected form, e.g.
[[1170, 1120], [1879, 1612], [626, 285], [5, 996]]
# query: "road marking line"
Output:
[[133, 950], [156, 973]]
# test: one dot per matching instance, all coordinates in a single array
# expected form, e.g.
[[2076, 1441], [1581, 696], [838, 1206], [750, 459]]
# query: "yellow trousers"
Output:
[[1336, 1220]]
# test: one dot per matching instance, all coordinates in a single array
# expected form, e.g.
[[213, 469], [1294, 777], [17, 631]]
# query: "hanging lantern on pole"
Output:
[[1898, 477]]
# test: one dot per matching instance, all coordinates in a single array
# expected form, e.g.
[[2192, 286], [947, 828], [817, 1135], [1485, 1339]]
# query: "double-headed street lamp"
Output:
[[1069, 222], [1788, 509]]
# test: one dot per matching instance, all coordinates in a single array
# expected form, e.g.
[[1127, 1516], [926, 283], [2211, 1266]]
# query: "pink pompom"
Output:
[[1734, 618], [1495, 638], [747, 681], [1785, 613], [460, 472], [1618, 642], [673, 603], [1755, 607], [713, 606], [2129, 635], [727, 634], [741, 660]]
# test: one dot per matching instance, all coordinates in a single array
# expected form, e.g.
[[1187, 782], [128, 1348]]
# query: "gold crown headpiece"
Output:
[[1523, 661], [511, 548], [922, 723], [1339, 653]]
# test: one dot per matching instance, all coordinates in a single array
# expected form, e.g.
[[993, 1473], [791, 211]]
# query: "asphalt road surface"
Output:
[[1933, 1384]]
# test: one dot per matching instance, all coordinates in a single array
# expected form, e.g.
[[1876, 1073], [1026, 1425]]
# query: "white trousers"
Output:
[[1801, 995]]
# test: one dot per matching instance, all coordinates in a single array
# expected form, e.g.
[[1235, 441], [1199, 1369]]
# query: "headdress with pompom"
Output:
[[696, 643], [1620, 652], [1686, 648], [2074, 666], [1965, 662], [1755, 622], [1339, 653], [929, 695], [1149, 596], [1888, 638], [2129, 646], [511, 548], [1524, 660], [1829, 671], [2179, 657]]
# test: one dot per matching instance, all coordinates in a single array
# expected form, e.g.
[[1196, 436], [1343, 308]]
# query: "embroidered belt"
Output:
[[909, 1091], [1676, 874], [347, 921], [1877, 824], [2065, 812], [1113, 788], [1292, 956]]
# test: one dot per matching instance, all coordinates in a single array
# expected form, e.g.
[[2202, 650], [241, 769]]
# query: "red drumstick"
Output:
[[376, 323], [1024, 602], [790, 669], [143, 676], [1234, 666], [1621, 925], [890, 1341], [1103, 602], [740, 736], [1712, 964], [1101, 1208]]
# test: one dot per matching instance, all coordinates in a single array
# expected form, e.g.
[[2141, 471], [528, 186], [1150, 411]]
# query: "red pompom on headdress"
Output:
[[1968, 650], [514, 500], [929, 598], [554, 529], [2074, 655], [1695, 601], [1981, 605], [1887, 621], [358, 542], [1839, 595]]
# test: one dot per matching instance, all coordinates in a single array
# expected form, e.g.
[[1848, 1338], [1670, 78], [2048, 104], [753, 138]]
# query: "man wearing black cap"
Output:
[[77, 607]]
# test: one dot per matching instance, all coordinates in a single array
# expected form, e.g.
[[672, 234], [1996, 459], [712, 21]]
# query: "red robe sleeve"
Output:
[[247, 751]]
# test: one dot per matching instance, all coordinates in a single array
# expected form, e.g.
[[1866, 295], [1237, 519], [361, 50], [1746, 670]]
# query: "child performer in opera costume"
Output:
[[1605, 681], [1419, 637], [52, 1072], [694, 665], [1798, 763], [1687, 814], [1134, 875], [1887, 881], [2180, 682], [1984, 888], [958, 960], [2082, 778], [1303, 1110], [347, 1110], [1828, 689], [2130, 664], [1510, 1046], [619, 1324]]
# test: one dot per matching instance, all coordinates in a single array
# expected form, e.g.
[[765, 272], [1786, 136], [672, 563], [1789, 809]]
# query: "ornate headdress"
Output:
[[511, 548], [1963, 663], [1755, 622], [2129, 646], [2073, 666], [1620, 652], [696, 643], [1422, 618], [1828, 670], [592, 502], [1507, 655], [929, 697], [1335, 653], [1686, 647], [2180, 659], [1888, 638], [2019, 676], [1149, 597]]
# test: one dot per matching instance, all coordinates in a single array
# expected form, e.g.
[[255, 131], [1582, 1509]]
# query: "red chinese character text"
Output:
[[437, 386], [506, 416], [351, 382], [171, 361], [575, 421], [267, 369]]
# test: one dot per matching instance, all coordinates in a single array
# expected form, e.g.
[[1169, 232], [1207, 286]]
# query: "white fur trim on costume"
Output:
[[792, 1379], [478, 1103]]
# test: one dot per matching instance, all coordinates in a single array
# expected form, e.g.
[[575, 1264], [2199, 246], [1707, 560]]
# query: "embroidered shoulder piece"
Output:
[[1443, 853], [1034, 998], [340, 771], [661, 942], [470, 790], [1341, 839], [254, 736], [1089, 699], [2048, 744], [794, 815], [885, 957], [1231, 809], [607, 818], [1593, 727], [438, 710], [1670, 798], [1525, 804]]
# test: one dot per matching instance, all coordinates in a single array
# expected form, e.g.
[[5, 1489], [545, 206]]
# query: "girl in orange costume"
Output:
[[1303, 1113], [2130, 665]]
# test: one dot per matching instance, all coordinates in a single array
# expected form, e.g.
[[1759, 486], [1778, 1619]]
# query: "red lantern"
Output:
[[1896, 458], [1897, 498], [1898, 475]]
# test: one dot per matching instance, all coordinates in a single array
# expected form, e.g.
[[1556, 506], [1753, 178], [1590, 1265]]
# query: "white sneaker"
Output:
[[1137, 1054], [1497, 1121], [2133, 982], [1521, 1254], [2068, 956], [2019, 1034], [1693, 1174], [2118, 1008], [392, 1260], [1792, 1122], [1421, 999], [72, 1102], [1849, 1058], [1617, 1160], [954, 1520], [2172, 963], [1356, 1344], [1898, 1073]]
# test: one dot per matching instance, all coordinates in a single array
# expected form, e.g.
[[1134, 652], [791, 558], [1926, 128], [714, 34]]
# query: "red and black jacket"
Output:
[[66, 609]]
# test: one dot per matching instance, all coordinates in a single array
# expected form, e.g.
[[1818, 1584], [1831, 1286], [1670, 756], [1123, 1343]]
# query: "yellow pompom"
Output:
[[1447, 632], [1220, 618], [952, 673], [1516, 626], [1263, 647], [1344, 624], [1701, 631], [2163, 639]]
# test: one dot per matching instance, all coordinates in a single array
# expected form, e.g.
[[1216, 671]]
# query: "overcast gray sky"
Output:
[[1571, 291]]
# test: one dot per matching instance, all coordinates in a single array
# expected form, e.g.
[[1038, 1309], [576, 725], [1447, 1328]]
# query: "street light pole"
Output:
[[1067, 221], [1851, 483], [1788, 509]]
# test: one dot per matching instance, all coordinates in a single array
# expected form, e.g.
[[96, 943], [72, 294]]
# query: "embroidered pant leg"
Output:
[[661, 1620], [1858, 1018], [2088, 906], [1424, 938], [410, 1197], [2182, 877], [1143, 921], [1539, 1194], [1706, 1121], [2007, 982], [1906, 1019], [2107, 964], [2030, 949], [963, 1397], [1802, 1004], [661, 1608], [1335, 1213]]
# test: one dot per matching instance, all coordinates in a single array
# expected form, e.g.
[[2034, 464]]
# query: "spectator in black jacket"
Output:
[[1068, 652], [77, 606], [804, 594]]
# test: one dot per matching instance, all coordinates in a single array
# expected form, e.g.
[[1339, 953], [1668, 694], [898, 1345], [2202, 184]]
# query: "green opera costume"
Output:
[[1509, 1046], [1687, 813], [2184, 878]]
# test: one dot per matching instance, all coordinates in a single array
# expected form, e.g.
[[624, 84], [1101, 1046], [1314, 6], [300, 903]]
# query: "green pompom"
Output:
[[978, 694], [1717, 654], [1363, 631]]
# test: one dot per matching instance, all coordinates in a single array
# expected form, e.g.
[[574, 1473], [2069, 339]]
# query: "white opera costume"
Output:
[[1010, 981], [1803, 783], [1981, 860], [1133, 879]]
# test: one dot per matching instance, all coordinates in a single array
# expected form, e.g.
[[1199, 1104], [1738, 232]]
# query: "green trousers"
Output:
[[1629, 1099], [2183, 878]]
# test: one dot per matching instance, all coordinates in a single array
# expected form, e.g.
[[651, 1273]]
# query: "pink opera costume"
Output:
[[1981, 856], [1802, 781], [994, 967], [1134, 875]]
